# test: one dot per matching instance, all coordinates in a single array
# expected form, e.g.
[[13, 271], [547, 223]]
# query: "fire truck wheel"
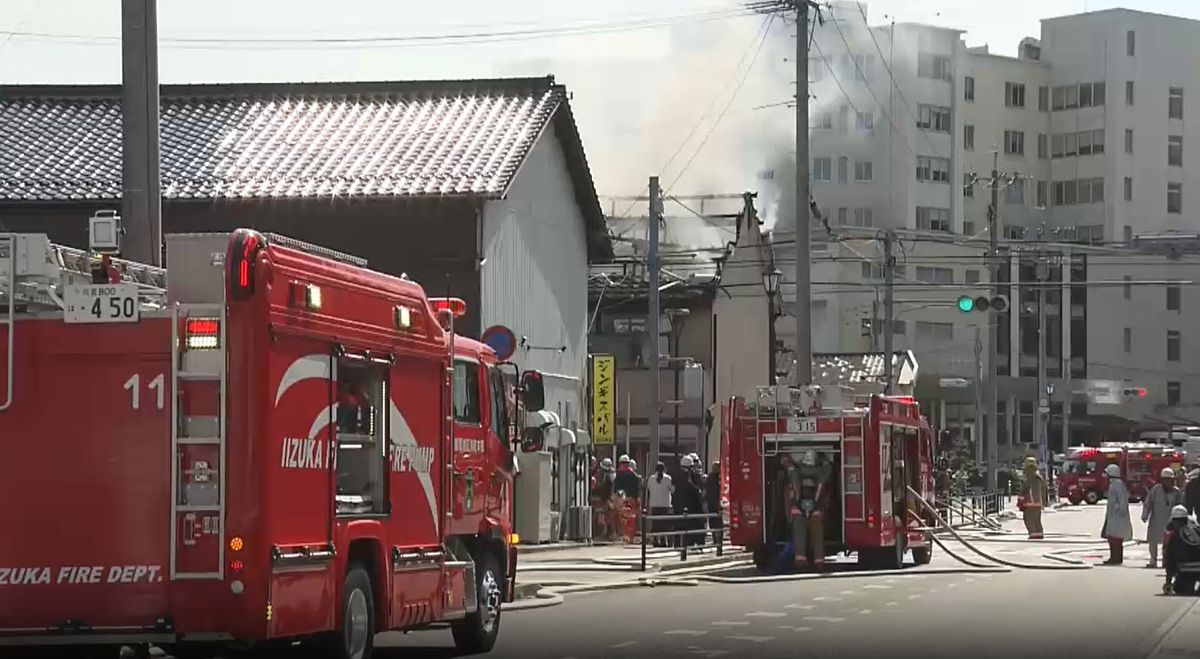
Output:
[[760, 558], [1092, 497], [922, 555], [356, 638], [476, 633]]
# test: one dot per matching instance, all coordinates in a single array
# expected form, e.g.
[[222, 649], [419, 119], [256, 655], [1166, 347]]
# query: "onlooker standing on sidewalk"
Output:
[[712, 500], [1033, 497], [658, 493], [1191, 496], [1156, 510], [1117, 526]]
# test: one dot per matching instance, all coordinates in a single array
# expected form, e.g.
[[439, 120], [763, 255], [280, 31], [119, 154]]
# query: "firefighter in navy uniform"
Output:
[[807, 499], [1181, 555]]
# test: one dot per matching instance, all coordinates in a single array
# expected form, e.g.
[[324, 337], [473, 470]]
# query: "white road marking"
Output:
[[765, 614], [729, 623], [804, 607], [625, 644], [847, 592], [684, 632], [752, 639], [707, 653], [933, 590], [865, 612], [827, 599], [796, 629], [877, 586], [914, 597], [824, 619], [952, 585], [891, 604]]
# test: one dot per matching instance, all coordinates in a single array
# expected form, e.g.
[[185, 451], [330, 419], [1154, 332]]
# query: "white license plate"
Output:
[[804, 424], [101, 303]]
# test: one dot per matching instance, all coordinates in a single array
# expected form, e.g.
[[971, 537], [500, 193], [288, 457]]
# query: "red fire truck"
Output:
[[877, 450], [264, 443], [1083, 478]]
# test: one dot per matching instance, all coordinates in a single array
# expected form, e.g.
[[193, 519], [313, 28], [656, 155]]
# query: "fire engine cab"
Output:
[[877, 449], [1083, 478], [264, 443]]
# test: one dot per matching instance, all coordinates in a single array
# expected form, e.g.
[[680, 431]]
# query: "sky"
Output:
[[675, 86]]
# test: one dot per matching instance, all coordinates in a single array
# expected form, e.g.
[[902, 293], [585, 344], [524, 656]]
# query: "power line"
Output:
[[459, 38]]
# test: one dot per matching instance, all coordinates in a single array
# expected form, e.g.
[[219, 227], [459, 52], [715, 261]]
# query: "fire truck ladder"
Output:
[[766, 410], [34, 273], [198, 502]]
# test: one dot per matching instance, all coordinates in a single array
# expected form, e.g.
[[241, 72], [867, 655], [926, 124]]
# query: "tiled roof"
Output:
[[254, 141], [847, 368]]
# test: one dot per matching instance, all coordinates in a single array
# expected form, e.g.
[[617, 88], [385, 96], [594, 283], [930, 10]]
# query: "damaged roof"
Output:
[[860, 367], [296, 140]]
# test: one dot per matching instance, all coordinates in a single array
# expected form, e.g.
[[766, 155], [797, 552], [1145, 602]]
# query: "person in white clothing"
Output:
[[1117, 526], [658, 494]]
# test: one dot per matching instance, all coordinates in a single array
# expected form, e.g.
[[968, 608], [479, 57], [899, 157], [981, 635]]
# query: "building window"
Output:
[[1056, 145], [1127, 339], [1129, 93], [933, 66], [969, 137], [1091, 190], [871, 270], [933, 169], [1173, 391], [843, 213], [1128, 234], [933, 117], [1014, 94], [933, 219], [1173, 299], [862, 66], [864, 171], [971, 277], [935, 275], [1128, 140], [843, 169], [1014, 142], [969, 89], [968, 186], [1097, 141], [1128, 188], [1175, 103], [824, 121], [864, 120], [931, 335], [1091, 94], [1043, 146], [1043, 99], [1041, 194], [1058, 98], [1174, 197], [1174, 341], [1072, 96], [1129, 43], [863, 217], [1128, 287], [968, 228], [1070, 144], [816, 68], [822, 169], [1175, 150], [1015, 192]]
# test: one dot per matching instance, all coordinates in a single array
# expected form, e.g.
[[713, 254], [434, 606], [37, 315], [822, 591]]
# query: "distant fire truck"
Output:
[[877, 449], [1083, 478], [265, 441]]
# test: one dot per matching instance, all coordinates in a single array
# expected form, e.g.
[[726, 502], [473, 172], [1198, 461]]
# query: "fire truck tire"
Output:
[[760, 557], [356, 638], [476, 633], [1092, 497], [922, 555]]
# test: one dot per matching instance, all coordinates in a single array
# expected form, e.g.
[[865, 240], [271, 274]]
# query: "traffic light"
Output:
[[997, 303], [1134, 392]]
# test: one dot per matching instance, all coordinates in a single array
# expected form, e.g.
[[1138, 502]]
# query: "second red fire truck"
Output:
[[265, 443], [1083, 478], [877, 449]]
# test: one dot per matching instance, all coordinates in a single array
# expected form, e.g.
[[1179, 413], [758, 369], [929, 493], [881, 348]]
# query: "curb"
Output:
[[538, 602], [910, 572]]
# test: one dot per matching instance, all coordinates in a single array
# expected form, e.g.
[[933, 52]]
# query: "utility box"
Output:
[[532, 502]]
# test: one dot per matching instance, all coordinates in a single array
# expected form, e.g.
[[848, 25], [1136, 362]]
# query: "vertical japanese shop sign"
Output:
[[604, 397]]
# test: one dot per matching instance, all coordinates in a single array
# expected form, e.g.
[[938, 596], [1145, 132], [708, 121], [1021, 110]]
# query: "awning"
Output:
[[541, 419]]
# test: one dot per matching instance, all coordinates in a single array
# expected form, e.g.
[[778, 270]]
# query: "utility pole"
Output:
[[991, 456], [803, 310], [1042, 413], [141, 204], [653, 313], [1064, 346], [977, 436], [889, 284]]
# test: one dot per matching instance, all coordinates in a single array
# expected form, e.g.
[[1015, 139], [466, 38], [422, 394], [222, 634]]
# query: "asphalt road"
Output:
[[1097, 614]]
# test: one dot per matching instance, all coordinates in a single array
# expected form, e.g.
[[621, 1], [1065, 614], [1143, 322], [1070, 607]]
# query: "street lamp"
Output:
[[771, 285]]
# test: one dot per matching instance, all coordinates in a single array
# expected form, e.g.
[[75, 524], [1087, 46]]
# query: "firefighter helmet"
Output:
[[686, 462], [624, 459], [1112, 471], [606, 464], [1167, 472], [1179, 512]]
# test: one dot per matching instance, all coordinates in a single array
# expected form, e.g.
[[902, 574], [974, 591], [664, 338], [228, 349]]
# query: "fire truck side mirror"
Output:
[[533, 391], [533, 440], [444, 317]]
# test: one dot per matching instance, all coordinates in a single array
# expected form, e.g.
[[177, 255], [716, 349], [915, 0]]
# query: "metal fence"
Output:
[[973, 508], [694, 538]]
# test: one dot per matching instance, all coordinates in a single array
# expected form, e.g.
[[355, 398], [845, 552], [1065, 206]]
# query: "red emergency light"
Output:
[[202, 333], [454, 305]]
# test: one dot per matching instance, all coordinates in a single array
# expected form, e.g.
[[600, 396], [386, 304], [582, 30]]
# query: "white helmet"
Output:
[[1167, 472], [606, 464], [1112, 471], [633, 464], [695, 458], [1179, 512], [686, 462], [624, 459]]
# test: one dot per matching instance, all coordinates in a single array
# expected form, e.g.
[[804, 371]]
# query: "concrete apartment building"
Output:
[[1091, 118]]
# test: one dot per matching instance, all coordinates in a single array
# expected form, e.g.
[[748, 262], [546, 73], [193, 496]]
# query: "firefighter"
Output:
[[1157, 508], [807, 499], [688, 500], [1033, 497], [1181, 554], [350, 407], [1117, 526], [601, 498], [1191, 495]]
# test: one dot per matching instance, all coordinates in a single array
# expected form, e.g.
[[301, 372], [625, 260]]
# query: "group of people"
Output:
[[618, 491], [1168, 511]]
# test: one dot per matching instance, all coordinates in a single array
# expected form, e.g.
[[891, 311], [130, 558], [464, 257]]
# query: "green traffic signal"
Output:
[[966, 304]]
